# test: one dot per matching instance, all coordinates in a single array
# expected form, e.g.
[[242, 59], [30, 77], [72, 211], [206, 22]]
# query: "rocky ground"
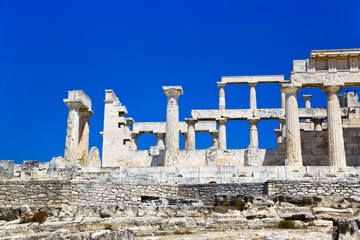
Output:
[[232, 217]]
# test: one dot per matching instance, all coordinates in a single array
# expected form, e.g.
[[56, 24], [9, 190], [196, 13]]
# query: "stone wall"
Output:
[[206, 192], [338, 188], [15, 193]]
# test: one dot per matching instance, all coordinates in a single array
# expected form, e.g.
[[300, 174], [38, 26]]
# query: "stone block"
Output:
[[6, 169]]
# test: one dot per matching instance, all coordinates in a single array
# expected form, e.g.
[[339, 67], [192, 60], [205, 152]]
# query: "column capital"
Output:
[[73, 104], [306, 97], [221, 84], [214, 133], [86, 113], [253, 120], [332, 88], [129, 121], [159, 135], [172, 90], [135, 135], [191, 121], [252, 84], [221, 120], [290, 88]]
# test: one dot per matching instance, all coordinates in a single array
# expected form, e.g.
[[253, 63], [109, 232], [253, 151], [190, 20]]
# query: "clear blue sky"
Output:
[[136, 47]]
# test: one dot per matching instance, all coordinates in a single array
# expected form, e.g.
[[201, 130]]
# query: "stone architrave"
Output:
[[190, 133], [221, 86], [335, 130], [172, 125], [293, 141], [222, 132]]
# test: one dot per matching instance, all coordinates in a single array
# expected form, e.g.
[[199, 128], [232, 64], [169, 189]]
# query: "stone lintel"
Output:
[[252, 79], [78, 96], [172, 90], [334, 53]]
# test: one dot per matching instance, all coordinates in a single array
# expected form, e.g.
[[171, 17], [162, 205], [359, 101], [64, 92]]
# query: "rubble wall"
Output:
[[17, 193]]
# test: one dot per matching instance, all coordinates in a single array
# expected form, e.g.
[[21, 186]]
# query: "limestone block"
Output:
[[93, 159], [6, 169]]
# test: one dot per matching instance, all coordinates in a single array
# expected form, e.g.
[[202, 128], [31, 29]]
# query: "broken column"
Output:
[[335, 130], [222, 132], [160, 140], [221, 86], [190, 133], [77, 126], [172, 128], [293, 141]]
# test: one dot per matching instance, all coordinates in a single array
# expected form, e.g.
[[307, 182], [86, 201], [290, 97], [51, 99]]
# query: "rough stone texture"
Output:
[[93, 159], [6, 169]]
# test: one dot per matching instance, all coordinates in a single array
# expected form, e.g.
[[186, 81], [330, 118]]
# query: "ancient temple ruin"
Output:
[[305, 137]]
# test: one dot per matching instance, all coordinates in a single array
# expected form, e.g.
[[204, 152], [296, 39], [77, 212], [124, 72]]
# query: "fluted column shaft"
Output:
[[254, 139], [72, 132], [222, 132], [190, 133], [293, 141], [335, 130], [172, 128], [221, 86], [252, 95]]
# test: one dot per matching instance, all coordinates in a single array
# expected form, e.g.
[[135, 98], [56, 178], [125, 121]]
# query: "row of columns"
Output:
[[335, 131]]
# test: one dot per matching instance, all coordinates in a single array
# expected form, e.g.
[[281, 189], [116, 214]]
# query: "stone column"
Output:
[[221, 86], [133, 143], [172, 128], [215, 139], [335, 130], [72, 131], [185, 135], [252, 95], [307, 104], [83, 148], [190, 133], [254, 142], [222, 132], [278, 136], [317, 124], [293, 141], [283, 99], [160, 137], [283, 128]]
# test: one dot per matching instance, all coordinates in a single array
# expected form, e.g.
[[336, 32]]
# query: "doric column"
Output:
[[293, 141], [252, 95], [335, 130], [283, 99], [221, 86], [215, 139], [83, 148], [185, 135], [190, 133], [222, 132], [254, 132], [72, 131], [278, 136], [283, 128], [317, 124], [160, 137], [307, 104], [133, 144], [172, 128]]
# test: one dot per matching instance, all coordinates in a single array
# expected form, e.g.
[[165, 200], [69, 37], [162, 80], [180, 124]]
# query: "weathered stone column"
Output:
[[252, 95], [215, 139], [293, 141], [278, 136], [221, 86], [317, 124], [283, 99], [190, 133], [185, 135], [335, 130], [172, 128], [160, 137], [133, 144], [72, 131], [254, 142], [307, 104], [222, 132], [283, 128], [83, 148]]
